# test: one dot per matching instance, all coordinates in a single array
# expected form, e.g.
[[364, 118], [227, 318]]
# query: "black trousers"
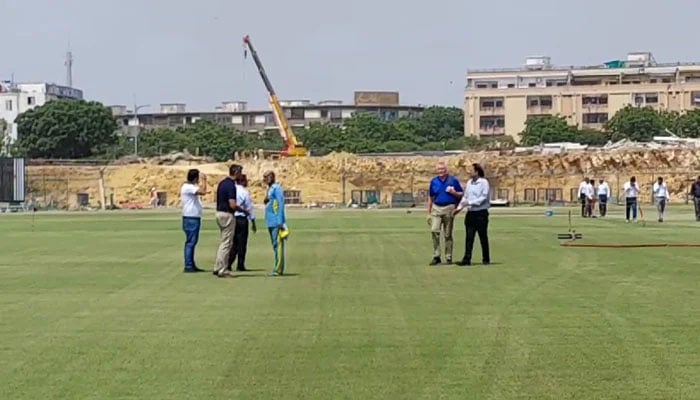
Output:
[[240, 243], [584, 212], [477, 222]]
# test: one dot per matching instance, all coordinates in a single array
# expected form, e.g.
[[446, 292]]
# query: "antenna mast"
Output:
[[69, 68]]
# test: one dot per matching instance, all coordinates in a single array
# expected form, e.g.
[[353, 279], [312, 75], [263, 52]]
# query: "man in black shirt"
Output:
[[695, 194], [226, 206]]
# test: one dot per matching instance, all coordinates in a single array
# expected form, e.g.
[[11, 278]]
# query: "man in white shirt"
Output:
[[190, 192], [240, 233], [631, 190], [603, 196], [476, 199], [582, 195], [590, 198], [661, 197]]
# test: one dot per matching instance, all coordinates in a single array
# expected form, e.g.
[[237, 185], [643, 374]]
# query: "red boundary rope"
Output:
[[629, 246]]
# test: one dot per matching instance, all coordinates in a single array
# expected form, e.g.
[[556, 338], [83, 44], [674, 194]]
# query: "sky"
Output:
[[165, 51]]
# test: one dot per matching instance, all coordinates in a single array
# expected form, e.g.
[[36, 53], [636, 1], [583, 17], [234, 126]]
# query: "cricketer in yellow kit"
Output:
[[276, 222]]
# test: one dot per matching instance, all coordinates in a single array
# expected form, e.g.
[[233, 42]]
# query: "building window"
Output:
[[31, 100], [595, 118], [539, 101], [297, 113], [594, 100], [8, 105], [641, 99], [695, 100], [491, 103], [492, 122], [487, 85], [532, 85], [336, 115]]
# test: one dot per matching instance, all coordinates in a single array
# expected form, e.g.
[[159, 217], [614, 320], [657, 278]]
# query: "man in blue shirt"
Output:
[[444, 194], [276, 222], [226, 206]]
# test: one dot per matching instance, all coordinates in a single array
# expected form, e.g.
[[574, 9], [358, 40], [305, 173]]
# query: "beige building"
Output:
[[499, 101]]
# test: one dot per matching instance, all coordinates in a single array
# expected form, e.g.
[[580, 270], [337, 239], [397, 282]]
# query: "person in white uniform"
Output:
[[661, 197], [603, 197], [631, 192]]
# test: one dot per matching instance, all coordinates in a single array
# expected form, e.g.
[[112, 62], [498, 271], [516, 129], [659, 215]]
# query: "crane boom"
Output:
[[293, 146]]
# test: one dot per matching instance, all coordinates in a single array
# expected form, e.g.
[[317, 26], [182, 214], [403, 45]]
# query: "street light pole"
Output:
[[138, 126]]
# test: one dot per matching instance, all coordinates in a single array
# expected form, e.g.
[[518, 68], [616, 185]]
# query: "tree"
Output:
[[438, 124], [591, 137], [66, 129], [689, 124], [547, 129], [4, 137], [639, 124]]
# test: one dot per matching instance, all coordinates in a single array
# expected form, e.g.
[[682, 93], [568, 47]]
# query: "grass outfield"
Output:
[[94, 306]]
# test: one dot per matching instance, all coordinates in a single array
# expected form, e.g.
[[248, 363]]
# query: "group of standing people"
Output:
[[446, 198], [235, 217], [587, 195]]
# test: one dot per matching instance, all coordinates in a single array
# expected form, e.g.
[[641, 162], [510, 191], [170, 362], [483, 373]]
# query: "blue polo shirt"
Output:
[[438, 190], [224, 192]]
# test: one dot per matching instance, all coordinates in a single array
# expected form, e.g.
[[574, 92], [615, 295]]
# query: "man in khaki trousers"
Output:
[[226, 206], [444, 194]]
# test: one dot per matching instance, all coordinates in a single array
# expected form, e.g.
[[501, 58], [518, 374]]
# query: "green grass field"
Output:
[[94, 306]]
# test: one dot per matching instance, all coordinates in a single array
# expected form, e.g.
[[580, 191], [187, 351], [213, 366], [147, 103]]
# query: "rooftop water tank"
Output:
[[538, 62], [234, 106]]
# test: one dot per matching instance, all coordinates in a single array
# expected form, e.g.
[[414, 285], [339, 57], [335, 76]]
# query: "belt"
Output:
[[444, 204]]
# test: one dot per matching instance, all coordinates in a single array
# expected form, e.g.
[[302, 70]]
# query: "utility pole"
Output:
[[137, 126]]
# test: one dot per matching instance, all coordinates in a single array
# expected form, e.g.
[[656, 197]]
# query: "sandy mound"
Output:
[[332, 178]]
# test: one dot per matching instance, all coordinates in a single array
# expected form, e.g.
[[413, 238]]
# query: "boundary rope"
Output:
[[628, 246]]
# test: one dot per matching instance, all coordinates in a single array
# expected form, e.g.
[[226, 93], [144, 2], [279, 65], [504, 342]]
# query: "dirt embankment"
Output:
[[331, 179]]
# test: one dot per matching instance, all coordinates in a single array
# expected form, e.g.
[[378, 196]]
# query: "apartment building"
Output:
[[16, 98], [499, 101], [299, 113]]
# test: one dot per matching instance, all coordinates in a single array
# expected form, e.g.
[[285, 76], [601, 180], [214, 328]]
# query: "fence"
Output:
[[528, 189], [75, 188]]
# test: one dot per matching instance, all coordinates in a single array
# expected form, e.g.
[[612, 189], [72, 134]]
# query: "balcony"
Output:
[[594, 120], [540, 110], [492, 131], [491, 110]]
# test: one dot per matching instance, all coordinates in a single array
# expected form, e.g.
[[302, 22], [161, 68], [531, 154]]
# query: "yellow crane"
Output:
[[294, 147]]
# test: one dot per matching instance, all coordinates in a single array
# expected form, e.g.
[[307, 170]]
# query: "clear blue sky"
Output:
[[191, 51]]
